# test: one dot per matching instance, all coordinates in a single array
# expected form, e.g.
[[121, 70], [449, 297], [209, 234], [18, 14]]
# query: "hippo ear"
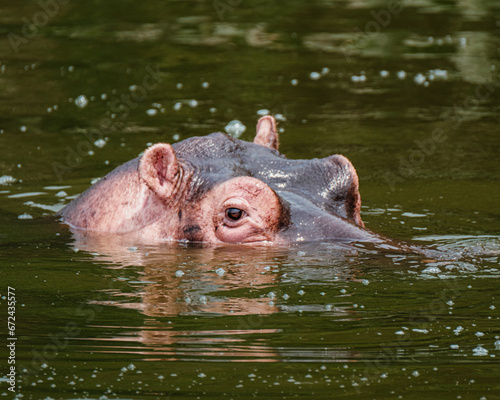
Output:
[[343, 189], [266, 133], [159, 169]]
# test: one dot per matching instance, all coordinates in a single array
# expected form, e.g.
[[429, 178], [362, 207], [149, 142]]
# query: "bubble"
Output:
[[205, 85], [401, 74], [431, 270], [358, 78], [100, 143], [220, 271], [384, 73], [419, 79], [314, 76], [24, 216], [263, 112], [479, 351], [62, 193], [193, 103], [458, 329], [6, 179], [177, 106], [179, 273], [235, 128], [81, 101], [294, 82], [152, 112]]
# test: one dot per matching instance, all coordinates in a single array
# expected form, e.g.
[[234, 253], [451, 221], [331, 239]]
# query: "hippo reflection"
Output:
[[219, 189]]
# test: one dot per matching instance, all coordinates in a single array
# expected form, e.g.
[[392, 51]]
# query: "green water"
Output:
[[408, 91]]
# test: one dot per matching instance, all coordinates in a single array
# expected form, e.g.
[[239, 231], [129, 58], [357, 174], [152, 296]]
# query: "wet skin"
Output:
[[219, 189]]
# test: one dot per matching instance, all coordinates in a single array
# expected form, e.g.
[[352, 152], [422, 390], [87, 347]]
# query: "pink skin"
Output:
[[260, 207], [149, 200]]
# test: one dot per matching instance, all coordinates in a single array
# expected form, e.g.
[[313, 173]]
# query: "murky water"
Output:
[[408, 91]]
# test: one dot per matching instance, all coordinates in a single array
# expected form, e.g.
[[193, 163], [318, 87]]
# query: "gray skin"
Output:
[[219, 189]]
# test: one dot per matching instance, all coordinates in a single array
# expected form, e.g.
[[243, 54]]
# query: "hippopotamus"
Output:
[[219, 189]]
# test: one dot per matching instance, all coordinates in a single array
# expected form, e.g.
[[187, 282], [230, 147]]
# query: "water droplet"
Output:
[[220, 271], [179, 273], [301, 292]]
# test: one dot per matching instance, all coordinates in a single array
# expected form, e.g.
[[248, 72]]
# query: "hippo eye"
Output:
[[234, 214]]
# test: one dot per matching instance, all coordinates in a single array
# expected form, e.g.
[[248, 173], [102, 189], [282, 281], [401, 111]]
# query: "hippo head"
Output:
[[223, 190]]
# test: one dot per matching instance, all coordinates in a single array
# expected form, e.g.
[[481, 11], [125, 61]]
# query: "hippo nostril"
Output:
[[234, 214]]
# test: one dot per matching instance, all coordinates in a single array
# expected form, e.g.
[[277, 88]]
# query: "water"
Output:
[[409, 94]]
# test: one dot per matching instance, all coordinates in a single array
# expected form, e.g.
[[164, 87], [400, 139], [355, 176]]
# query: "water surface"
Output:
[[409, 94]]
